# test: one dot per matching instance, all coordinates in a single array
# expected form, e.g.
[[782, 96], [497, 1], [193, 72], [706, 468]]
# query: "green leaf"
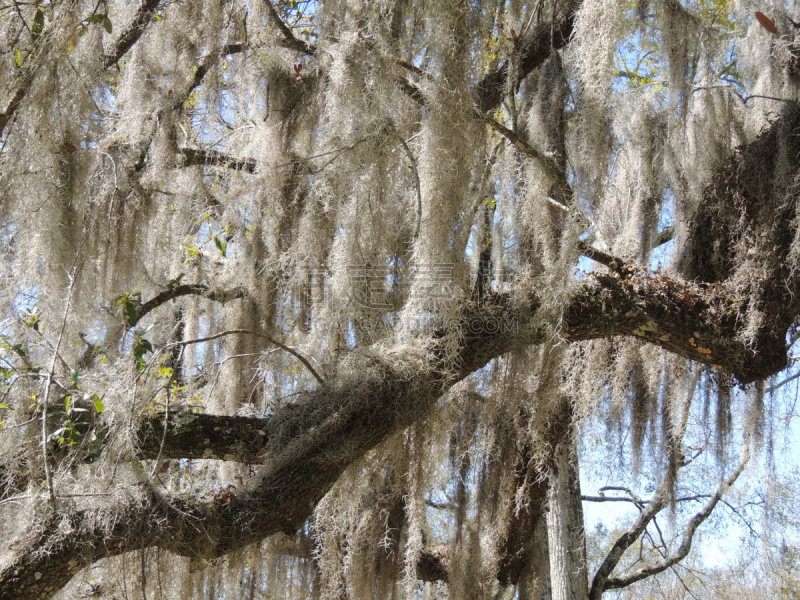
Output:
[[141, 346], [131, 314], [98, 404], [221, 245], [95, 18], [17, 57], [31, 320], [38, 25], [173, 282], [107, 25], [4, 406]]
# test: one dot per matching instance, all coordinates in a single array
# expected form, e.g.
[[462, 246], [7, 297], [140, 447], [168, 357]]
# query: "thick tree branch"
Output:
[[533, 51], [195, 436], [378, 392], [195, 289], [124, 43]]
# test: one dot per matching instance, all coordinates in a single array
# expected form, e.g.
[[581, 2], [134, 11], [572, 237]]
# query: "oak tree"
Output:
[[318, 299]]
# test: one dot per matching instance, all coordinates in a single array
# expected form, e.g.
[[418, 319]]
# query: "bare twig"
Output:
[[46, 401], [688, 534], [273, 341], [166, 419], [601, 580], [780, 384]]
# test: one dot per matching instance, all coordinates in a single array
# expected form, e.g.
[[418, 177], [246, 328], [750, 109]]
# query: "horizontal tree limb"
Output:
[[308, 445], [213, 158]]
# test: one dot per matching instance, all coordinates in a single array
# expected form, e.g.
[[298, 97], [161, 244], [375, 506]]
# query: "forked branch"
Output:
[[289, 38], [688, 534]]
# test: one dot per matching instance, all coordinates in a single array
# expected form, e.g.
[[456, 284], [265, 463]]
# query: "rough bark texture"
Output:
[[565, 535], [304, 448], [309, 445]]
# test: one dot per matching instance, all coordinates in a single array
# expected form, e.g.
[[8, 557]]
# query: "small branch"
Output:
[[616, 488], [610, 499], [46, 401], [548, 164], [746, 100], [416, 70], [545, 161], [636, 501], [780, 384], [189, 290], [203, 68], [612, 262], [202, 156], [410, 90], [291, 41], [12, 107], [264, 336], [166, 423], [416, 182], [664, 236], [441, 505], [131, 35]]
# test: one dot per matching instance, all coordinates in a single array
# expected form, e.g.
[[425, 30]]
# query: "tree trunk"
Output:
[[565, 533], [534, 583]]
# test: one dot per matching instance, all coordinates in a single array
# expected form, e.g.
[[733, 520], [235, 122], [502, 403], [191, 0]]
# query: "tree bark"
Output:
[[377, 392], [565, 534]]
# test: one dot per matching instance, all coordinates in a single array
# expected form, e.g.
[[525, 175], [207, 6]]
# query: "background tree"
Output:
[[314, 298]]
